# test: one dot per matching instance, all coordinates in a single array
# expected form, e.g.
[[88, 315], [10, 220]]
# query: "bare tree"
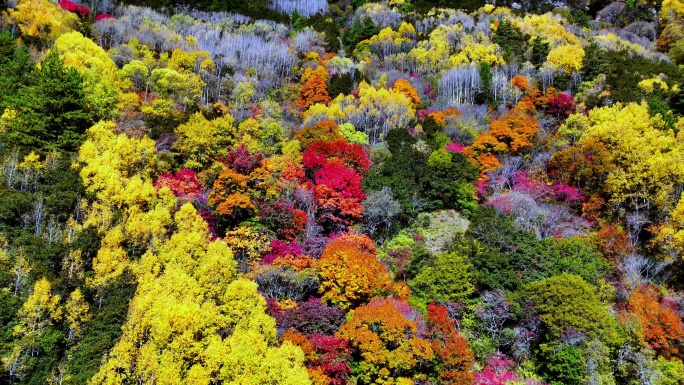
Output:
[[611, 13], [494, 311], [637, 269], [380, 211]]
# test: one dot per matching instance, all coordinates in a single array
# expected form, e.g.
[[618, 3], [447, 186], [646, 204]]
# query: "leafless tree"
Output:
[[460, 85], [380, 211], [493, 312], [611, 13]]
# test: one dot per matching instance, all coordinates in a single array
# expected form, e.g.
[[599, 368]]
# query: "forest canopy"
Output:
[[341, 192]]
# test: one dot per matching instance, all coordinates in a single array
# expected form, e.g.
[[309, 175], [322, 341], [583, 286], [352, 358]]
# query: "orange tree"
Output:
[[658, 323], [350, 272], [386, 343]]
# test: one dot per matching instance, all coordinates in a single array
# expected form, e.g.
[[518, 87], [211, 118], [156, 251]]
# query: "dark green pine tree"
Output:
[[540, 50], [486, 96], [359, 31], [594, 62], [15, 69], [51, 109], [510, 39]]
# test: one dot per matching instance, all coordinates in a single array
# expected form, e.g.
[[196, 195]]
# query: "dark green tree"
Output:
[[51, 109], [15, 68], [510, 39], [360, 30], [486, 96], [340, 84], [594, 62], [540, 50]]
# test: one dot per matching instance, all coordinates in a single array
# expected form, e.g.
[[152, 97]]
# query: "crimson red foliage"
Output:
[[242, 161], [351, 155], [104, 16], [73, 7], [338, 194], [183, 184]]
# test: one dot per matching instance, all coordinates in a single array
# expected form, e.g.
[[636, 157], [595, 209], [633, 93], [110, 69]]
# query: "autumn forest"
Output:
[[311, 192]]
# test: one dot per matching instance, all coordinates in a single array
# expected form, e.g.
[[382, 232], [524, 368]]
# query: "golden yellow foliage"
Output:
[[42, 19]]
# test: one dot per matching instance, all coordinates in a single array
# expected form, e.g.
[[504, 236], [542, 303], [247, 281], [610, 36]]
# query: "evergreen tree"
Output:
[[594, 62], [51, 109], [359, 31], [540, 50], [486, 96], [15, 68], [509, 38]]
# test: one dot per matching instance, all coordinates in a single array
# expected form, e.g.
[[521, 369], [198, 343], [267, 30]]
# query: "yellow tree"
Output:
[[201, 141], [117, 171], [42, 19], [567, 57], [648, 158], [193, 321], [76, 314], [97, 69], [39, 312]]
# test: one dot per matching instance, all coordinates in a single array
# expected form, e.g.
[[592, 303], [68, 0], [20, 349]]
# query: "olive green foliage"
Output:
[[568, 302], [508, 257], [448, 278]]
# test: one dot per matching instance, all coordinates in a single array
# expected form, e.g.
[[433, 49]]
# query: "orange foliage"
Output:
[[407, 89], [295, 262], [513, 133], [516, 130], [485, 162], [660, 325], [328, 56], [455, 359], [323, 131], [299, 339], [317, 376], [313, 91], [235, 203], [386, 341], [591, 209], [520, 82], [227, 196], [613, 242], [350, 272], [441, 116]]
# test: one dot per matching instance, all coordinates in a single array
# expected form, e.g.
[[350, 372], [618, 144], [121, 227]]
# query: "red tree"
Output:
[[454, 358]]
